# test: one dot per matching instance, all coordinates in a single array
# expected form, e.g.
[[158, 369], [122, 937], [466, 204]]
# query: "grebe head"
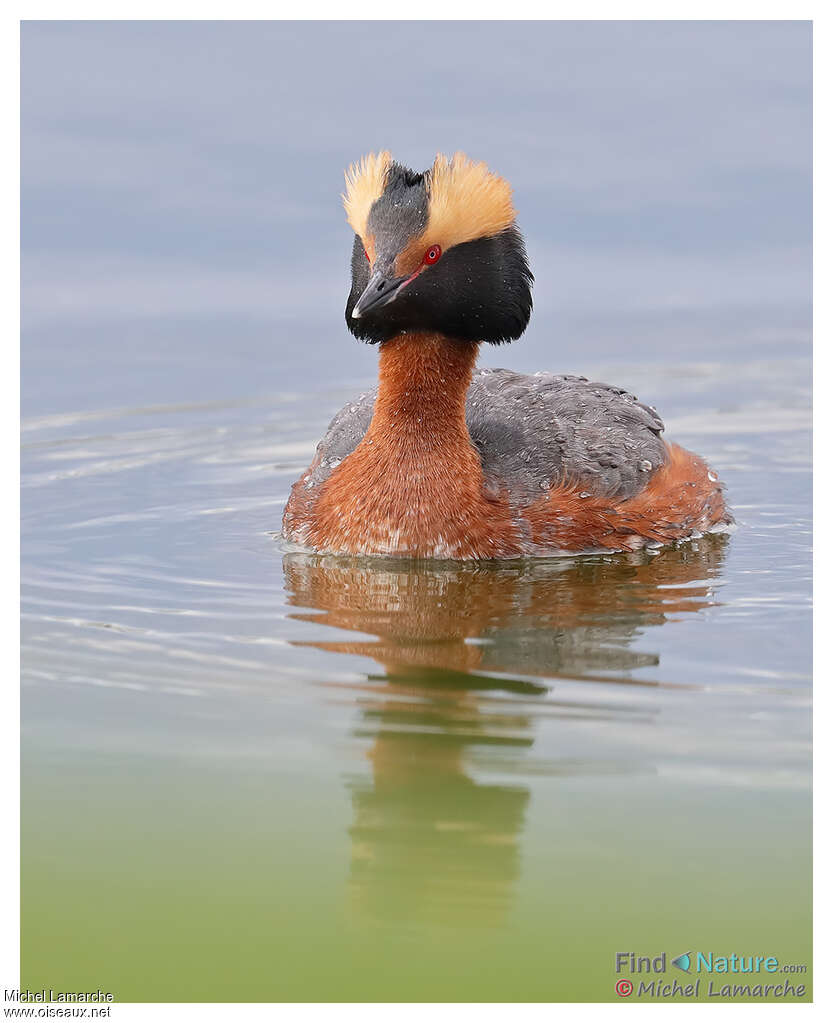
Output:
[[438, 251]]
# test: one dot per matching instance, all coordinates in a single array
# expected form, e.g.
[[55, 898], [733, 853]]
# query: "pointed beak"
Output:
[[381, 289]]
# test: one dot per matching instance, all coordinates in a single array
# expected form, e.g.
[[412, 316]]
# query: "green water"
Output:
[[190, 882]]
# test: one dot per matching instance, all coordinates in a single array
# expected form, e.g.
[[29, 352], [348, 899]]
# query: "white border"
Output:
[[428, 9]]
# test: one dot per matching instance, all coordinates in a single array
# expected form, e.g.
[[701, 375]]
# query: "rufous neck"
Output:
[[423, 382]]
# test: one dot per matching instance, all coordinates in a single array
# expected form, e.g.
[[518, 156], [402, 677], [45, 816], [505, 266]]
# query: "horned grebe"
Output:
[[442, 462]]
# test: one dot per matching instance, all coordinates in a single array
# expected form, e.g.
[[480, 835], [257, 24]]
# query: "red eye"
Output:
[[432, 255]]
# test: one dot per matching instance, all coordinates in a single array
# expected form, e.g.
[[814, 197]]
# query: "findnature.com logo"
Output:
[[694, 964]]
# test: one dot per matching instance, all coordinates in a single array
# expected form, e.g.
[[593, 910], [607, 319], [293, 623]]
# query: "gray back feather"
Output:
[[533, 432]]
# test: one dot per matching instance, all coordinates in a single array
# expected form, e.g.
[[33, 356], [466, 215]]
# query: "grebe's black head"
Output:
[[438, 251]]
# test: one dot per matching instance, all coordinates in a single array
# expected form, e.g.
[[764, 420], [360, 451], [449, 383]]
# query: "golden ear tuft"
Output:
[[466, 201], [364, 183]]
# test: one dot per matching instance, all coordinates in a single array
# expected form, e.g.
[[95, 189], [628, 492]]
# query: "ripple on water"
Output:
[[151, 565]]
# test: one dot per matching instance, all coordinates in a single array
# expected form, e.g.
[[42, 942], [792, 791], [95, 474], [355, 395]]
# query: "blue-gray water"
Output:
[[281, 777]]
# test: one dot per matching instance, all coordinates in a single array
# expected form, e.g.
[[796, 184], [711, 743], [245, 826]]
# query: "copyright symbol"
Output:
[[623, 988]]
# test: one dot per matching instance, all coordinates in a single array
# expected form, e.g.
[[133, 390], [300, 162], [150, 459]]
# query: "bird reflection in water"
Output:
[[469, 652]]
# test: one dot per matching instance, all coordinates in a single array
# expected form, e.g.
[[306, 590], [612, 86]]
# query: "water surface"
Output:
[[282, 776]]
